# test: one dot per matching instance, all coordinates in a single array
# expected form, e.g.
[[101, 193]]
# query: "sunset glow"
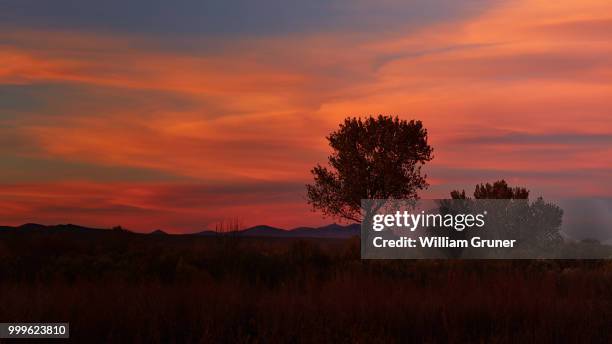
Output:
[[128, 120]]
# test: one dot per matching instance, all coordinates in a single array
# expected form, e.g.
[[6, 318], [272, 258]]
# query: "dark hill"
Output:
[[329, 231], [35, 227], [262, 231]]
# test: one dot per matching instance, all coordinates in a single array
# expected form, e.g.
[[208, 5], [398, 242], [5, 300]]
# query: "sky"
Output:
[[180, 114]]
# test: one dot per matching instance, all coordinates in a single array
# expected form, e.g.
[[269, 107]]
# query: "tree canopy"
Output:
[[534, 224], [497, 190], [373, 158]]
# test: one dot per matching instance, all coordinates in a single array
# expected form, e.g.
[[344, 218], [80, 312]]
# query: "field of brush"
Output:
[[124, 287]]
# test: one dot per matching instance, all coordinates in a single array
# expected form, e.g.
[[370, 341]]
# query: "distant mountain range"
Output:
[[33, 227], [330, 231]]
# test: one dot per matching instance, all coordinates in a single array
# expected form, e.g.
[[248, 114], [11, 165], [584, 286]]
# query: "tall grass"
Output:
[[121, 287]]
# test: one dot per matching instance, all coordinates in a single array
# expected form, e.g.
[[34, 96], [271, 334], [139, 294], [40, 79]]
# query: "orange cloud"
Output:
[[259, 108]]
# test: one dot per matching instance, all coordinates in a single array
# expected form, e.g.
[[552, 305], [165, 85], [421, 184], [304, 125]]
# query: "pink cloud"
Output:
[[259, 110]]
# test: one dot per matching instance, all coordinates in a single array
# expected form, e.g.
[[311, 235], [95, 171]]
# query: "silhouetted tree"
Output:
[[497, 190], [545, 222], [373, 158], [535, 224]]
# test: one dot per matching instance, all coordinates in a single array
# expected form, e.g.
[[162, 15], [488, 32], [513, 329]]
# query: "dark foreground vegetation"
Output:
[[121, 287]]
